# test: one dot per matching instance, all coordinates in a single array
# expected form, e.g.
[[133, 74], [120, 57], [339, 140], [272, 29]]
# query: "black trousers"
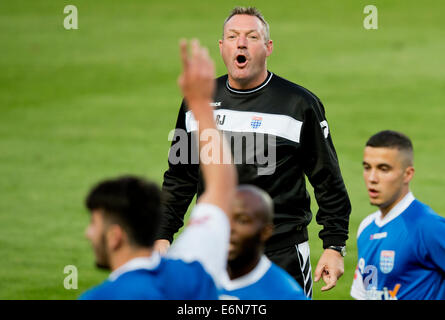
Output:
[[296, 261]]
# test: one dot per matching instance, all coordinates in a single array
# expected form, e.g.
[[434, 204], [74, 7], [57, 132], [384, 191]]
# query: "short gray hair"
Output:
[[250, 11]]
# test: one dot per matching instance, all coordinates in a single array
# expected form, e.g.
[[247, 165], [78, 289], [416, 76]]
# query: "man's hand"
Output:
[[197, 81], [161, 246], [330, 267]]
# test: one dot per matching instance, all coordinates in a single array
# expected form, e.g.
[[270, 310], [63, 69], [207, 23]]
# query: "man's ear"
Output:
[[269, 48], [266, 233], [115, 237], [409, 174], [220, 42]]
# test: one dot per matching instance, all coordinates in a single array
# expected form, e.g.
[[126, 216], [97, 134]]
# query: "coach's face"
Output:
[[386, 176], [244, 50], [96, 234]]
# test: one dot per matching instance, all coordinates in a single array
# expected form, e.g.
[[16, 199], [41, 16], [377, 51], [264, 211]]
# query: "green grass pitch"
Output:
[[80, 105]]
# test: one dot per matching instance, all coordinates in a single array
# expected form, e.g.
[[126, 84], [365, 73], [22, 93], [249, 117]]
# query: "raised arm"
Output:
[[197, 84], [206, 238]]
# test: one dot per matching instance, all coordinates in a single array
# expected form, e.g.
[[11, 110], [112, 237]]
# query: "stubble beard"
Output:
[[102, 256]]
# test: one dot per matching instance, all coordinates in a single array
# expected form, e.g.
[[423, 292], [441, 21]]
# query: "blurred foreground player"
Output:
[[251, 275], [401, 247], [125, 215]]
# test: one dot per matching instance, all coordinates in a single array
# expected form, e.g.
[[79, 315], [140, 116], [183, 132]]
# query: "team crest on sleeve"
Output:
[[387, 260], [256, 122]]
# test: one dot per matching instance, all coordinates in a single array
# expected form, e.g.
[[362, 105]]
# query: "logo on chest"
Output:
[[256, 122], [387, 260]]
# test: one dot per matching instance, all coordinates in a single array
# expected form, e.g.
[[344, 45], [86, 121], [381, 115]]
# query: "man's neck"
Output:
[[124, 255], [240, 267], [384, 211], [246, 84]]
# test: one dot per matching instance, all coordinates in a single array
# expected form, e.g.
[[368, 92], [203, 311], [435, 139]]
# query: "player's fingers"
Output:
[[203, 56], [207, 63], [202, 63], [195, 48], [210, 63], [183, 53], [195, 60]]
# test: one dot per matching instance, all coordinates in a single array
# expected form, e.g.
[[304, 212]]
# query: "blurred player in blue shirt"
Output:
[[125, 215], [401, 247], [250, 274]]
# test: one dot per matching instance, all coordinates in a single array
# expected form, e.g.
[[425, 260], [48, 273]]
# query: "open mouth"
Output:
[[373, 192], [241, 60]]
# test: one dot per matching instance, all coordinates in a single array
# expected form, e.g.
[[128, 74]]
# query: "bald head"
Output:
[[251, 226], [258, 202]]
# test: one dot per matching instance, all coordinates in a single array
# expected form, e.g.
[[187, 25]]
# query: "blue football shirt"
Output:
[[155, 278], [196, 258], [401, 256], [266, 281]]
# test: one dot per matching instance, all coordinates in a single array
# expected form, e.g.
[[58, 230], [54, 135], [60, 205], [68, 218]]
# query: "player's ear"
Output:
[[266, 233], [115, 236], [409, 174]]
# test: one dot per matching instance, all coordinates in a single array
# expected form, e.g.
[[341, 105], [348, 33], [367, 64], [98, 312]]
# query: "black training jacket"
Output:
[[286, 136]]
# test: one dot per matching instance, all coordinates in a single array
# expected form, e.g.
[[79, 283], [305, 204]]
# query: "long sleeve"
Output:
[[323, 171]]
